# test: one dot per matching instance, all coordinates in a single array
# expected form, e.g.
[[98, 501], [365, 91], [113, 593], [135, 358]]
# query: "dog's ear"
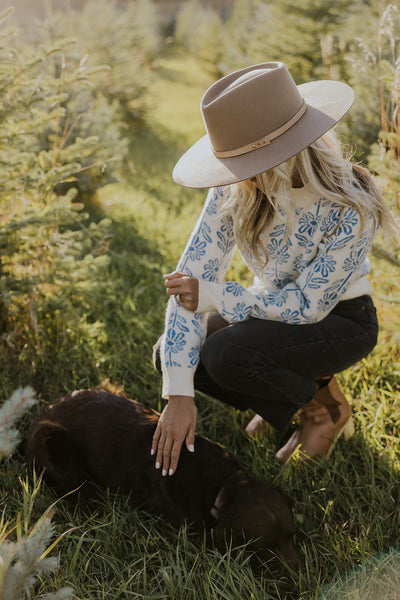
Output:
[[58, 444], [228, 492], [48, 442], [49, 447]]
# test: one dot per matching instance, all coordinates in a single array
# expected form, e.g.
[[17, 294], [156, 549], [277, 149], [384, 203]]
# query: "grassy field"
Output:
[[346, 510]]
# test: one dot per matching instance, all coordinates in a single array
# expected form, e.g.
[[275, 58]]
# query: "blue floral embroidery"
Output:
[[174, 341], [308, 223], [258, 312], [196, 249], [330, 222], [181, 323], [324, 264], [304, 303], [234, 288], [277, 297], [327, 300], [205, 230], [212, 208], [240, 311], [225, 239], [303, 240], [352, 263], [300, 263], [340, 221], [210, 269], [349, 220], [278, 231], [198, 325], [278, 252], [290, 316], [337, 242], [194, 355]]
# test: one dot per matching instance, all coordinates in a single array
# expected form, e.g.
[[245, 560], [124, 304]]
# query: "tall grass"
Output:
[[346, 509]]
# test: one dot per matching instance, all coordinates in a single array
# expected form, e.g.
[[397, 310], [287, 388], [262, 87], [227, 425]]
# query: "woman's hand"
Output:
[[184, 288], [177, 424]]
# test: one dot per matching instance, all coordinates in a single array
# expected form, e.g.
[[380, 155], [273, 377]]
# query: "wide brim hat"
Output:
[[256, 118]]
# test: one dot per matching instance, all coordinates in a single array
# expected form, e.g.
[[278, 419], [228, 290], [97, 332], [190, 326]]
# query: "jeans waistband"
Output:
[[361, 302]]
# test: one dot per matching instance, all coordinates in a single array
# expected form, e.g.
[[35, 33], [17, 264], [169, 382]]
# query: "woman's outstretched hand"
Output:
[[177, 424], [184, 288]]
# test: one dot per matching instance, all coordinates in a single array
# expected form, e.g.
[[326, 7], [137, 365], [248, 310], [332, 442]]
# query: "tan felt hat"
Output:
[[256, 118]]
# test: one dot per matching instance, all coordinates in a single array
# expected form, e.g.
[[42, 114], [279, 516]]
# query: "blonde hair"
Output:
[[325, 170]]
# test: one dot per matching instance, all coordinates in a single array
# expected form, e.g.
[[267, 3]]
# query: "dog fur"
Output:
[[100, 437]]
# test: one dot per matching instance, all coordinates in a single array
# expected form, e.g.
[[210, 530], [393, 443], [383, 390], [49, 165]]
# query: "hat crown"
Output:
[[249, 104], [257, 118]]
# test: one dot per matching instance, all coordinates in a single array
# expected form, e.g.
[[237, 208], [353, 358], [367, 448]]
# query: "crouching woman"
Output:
[[304, 219]]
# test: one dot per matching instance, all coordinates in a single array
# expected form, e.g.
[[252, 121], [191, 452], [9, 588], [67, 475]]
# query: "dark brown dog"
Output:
[[96, 436]]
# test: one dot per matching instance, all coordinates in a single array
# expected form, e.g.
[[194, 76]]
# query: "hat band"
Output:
[[264, 141]]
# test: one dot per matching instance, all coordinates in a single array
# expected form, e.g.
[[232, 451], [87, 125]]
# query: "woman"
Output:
[[304, 220]]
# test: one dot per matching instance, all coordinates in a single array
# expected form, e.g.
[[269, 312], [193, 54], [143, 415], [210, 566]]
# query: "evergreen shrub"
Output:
[[61, 137], [118, 42]]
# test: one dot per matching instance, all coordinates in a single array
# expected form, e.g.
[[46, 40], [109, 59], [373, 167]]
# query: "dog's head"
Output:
[[256, 513]]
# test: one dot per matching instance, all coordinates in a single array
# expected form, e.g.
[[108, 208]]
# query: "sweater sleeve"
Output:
[[319, 286], [207, 256]]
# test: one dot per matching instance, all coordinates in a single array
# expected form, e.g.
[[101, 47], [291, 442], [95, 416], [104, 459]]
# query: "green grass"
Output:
[[346, 509]]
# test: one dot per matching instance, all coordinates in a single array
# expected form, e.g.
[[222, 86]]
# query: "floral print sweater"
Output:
[[317, 257]]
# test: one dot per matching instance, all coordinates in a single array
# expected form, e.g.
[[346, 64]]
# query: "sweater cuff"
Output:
[[207, 295], [178, 381]]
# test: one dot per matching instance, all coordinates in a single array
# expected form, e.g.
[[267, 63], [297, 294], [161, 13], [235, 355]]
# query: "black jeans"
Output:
[[273, 367]]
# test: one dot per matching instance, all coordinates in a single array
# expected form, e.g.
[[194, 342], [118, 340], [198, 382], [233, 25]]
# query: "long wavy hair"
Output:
[[327, 172]]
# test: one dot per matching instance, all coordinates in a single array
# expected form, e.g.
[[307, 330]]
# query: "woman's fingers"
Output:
[[174, 275], [190, 438], [165, 456], [177, 423], [174, 456], [183, 283], [156, 438], [158, 445], [185, 289]]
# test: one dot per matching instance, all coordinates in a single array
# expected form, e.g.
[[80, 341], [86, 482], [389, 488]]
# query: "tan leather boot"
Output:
[[323, 420]]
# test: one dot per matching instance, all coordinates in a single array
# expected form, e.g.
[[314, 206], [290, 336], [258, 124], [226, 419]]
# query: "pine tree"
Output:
[[126, 38], [58, 137]]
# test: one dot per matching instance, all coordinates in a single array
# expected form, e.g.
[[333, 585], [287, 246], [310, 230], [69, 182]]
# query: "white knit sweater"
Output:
[[316, 258]]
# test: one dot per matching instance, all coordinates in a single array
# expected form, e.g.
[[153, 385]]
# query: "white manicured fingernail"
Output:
[[152, 452], [158, 465], [171, 472], [164, 472], [191, 448]]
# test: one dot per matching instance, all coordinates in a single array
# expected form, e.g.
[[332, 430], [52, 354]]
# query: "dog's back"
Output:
[[92, 435], [97, 436]]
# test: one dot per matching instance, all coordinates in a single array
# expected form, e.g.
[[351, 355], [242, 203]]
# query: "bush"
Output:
[[119, 43], [54, 127]]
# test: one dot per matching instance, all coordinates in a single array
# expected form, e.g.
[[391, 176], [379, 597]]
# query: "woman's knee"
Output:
[[221, 358]]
